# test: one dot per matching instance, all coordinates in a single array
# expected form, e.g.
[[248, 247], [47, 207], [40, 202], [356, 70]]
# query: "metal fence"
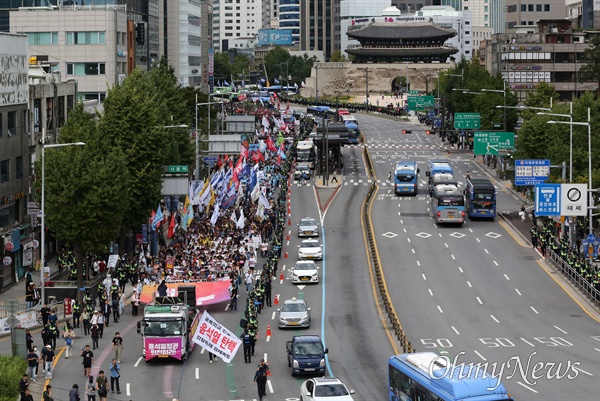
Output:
[[586, 288]]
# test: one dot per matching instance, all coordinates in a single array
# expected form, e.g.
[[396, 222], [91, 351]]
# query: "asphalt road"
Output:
[[472, 291]]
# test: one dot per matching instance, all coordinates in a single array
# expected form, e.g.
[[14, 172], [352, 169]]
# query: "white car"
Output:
[[325, 389], [305, 271], [310, 249]]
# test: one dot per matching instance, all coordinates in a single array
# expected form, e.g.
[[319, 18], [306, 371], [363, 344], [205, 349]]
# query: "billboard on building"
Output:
[[274, 37], [14, 78]]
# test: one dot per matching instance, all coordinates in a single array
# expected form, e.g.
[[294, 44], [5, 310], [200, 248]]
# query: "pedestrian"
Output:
[[85, 320], [28, 339], [88, 360], [267, 288], [102, 386], [468, 176], [135, 303], [162, 289], [53, 318], [233, 297], [45, 312], [115, 374], [100, 324], [53, 328], [32, 363], [246, 340], [95, 334], [117, 342], [38, 353], [115, 309], [106, 309], [121, 303], [48, 356], [260, 379], [211, 357], [68, 335], [334, 177], [27, 396], [23, 384], [74, 393], [534, 236], [249, 278], [47, 395], [389, 179], [90, 389]]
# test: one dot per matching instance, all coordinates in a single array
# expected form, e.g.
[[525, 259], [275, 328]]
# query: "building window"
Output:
[[42, 38], [4, 171], [19, 169], [523, 7], [194, 40], [194, 61], [86, 68], [12, 123], [547, 8], [530, 7], [86, 38], [538, 7], [511, 8]]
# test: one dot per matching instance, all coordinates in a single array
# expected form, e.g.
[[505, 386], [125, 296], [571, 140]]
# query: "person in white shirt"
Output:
[[249, 279]]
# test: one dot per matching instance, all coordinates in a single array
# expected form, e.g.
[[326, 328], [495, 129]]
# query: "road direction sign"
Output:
[[177, 169], [531, 172], [547, 200], [573, 200], [414, 92], [210, 160], [420, 102], [492, 143], [467, 120]]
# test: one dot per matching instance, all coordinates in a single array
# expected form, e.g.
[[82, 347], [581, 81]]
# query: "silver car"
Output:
[[294, 313], [308, 227], [305, 272], [310, 249]]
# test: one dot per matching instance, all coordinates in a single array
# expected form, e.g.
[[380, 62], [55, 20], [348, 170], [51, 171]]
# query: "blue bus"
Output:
[[481, 198], [425, 376], [448, 204], [353, 133], [318, 111], [406, 178], [439, 167]]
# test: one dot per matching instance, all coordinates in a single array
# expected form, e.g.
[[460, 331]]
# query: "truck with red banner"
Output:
[[167, 328]]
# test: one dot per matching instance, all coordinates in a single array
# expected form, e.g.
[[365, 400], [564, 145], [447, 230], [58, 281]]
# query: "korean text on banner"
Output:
[[215, 338], [162, 347]]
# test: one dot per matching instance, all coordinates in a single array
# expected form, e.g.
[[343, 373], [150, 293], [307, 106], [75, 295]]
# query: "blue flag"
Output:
[[158, 217]]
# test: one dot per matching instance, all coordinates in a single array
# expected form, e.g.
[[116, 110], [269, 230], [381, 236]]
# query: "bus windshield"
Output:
[[405, 177], [482, 197], [162, 328]]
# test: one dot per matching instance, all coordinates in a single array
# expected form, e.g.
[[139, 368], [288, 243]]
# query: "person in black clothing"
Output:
[[247, 341], [260, 379], [26, 396], [106, 309], [267, 288], [24, 384], [162, 289], [45, 311]]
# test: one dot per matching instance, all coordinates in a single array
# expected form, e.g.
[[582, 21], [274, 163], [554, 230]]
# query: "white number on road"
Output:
[[553, 341], [497, 342], [436, 342]]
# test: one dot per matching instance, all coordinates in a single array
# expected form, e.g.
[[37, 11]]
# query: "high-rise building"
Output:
[[289, 17], [362, 11], [522, 15], [412, 6], [320, 26], [239, 19]]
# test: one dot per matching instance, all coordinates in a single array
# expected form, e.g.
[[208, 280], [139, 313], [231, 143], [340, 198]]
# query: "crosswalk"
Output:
[[395, 146]]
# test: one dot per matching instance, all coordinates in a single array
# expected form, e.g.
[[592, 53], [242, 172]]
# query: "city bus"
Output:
[[438, 167], [306, 152], [317, 111], [481, 198], [427, 376], [448, 204], [406, 178], [354, 134], [349, 119]]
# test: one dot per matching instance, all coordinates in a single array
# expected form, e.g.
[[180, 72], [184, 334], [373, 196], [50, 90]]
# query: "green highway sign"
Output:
[[467, 120], [493, 143], [414, 92], [420, 102], [177, 169]]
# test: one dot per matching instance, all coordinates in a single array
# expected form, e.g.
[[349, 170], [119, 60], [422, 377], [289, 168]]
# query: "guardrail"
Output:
[[580, 282], [376, 264]]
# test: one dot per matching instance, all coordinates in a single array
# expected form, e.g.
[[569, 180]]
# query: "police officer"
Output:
[[247, 341], [88, 300], [53, 333], [73, 272], [252, 332], [114, 290], [534, 236], [76, 313], [260, 378], [122, 280]]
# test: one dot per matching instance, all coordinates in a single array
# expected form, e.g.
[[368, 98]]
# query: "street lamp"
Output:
[[570, 116], [174, 126], [43, 222], [461, 75], [590, 196], [503, 91], [287, 72]]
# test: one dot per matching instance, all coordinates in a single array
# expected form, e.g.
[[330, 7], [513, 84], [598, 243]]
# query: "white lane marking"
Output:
[[496, 263], [288, 243], [138, 362], [518, 292], [128, 389], [496, 320], [404, 229], [460, 269], [469, 284], [597, 349], [401, 222], [452, 256], [265, 358], [423, 275], [430, 292], [527, 342], [270, 386], [486, 251], [456, 331], [477, 239], [197, 373], [413, 250], [533, 309], [273, 316], [408, 239], [283, 268], [418, 263], [479, 300], [470, 229], [445, 244], [561, 330], [479, 355], [399, 213], [505, 276], [440, 309], [440, 234], [527, 387]]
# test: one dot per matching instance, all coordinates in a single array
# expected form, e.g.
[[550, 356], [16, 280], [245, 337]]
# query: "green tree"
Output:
[[273, 60], [240, 66], [591, 70], [11, 371], [222, 65], [86, 188], [337, 57]]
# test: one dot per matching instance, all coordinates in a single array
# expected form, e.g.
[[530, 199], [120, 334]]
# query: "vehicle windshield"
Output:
[[330, 390], [162, 329], [304, 153], [308, 349], [308, 223], [405, 177], [483, 197], [451, 201], [311, 244], [304, 266], [294, 307]]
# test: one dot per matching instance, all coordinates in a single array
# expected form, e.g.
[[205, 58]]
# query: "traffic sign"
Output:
[[32, 205], [33, 212], [420, 102], [9, 246], [467, 120], [573, 200], [591, 238], [210, 160], [531, 172], [177, 169], [414, 92], [492, 143], [547, 200]]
